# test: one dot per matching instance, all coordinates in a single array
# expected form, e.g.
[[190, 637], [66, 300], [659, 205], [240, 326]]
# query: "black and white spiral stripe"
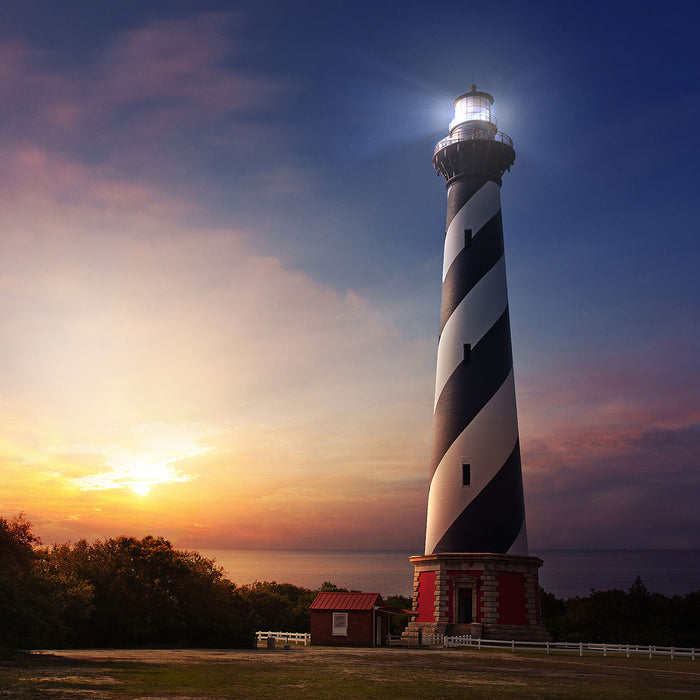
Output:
[[475, 420]]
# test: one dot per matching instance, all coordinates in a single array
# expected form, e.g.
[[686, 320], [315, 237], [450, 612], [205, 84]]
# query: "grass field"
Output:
[[310, 673]]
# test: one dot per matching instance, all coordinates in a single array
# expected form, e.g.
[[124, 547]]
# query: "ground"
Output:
[[339, 673]]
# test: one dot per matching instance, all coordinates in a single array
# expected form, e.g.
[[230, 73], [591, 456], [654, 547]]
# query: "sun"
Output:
[[140, 488]]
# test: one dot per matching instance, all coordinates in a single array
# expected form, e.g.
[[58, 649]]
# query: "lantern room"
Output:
[[474, 116]]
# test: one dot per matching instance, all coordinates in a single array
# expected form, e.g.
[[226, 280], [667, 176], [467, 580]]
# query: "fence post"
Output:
[[628, 651], [547, 647], [605, 650], [671, 652], [580, 648], [512, 645]]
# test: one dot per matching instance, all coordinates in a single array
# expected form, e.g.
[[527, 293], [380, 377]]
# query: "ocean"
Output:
[[565, 573]]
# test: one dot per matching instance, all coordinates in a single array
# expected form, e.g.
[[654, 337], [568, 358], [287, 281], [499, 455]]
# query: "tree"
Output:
[[635, 616], [279, 606], [35, 602], [18, 609], [146, 592]]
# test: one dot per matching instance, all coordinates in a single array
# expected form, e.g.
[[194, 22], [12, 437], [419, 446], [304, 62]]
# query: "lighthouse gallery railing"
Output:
[[449, 140]]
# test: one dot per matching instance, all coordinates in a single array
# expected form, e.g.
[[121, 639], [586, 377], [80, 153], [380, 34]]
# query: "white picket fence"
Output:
[[582, 648], [287, 637], [467, 640]]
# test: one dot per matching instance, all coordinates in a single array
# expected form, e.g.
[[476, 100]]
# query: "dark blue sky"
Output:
[[307, 128]]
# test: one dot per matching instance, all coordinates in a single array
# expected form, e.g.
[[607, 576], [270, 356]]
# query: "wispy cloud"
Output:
[[169, 72], [610, 459]]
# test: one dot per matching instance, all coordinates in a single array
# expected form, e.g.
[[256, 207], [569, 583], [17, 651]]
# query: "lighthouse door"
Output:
[[464, 606]]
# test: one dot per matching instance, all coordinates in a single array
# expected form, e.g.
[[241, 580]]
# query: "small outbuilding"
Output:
[[339, 618]]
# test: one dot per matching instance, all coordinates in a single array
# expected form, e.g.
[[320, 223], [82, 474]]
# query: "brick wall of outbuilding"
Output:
[[359, 628]]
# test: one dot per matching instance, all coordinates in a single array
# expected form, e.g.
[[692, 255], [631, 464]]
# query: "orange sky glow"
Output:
[[231, 350]]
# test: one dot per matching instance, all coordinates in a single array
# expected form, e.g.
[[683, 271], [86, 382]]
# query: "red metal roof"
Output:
[[341, 600]]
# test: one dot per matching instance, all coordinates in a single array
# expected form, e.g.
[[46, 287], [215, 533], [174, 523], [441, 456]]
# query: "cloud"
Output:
[[182, 61], [142, 351], [609, 486], [179, 64], [124, 308], [610, 449], [156, 102]]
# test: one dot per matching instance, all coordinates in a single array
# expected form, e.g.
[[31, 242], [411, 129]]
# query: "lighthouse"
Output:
[[476, 576]]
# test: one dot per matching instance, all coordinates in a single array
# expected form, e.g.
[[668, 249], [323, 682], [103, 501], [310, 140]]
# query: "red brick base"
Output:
[[492, 596]]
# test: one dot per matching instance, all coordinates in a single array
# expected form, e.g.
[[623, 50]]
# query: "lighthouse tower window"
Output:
[[466, 474]]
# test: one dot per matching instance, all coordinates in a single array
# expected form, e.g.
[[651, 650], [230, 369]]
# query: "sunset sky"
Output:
[[221, 261]]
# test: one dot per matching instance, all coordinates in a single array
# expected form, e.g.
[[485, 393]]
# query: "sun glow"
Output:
[[140, 489], [149, 464], [140, 478]]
